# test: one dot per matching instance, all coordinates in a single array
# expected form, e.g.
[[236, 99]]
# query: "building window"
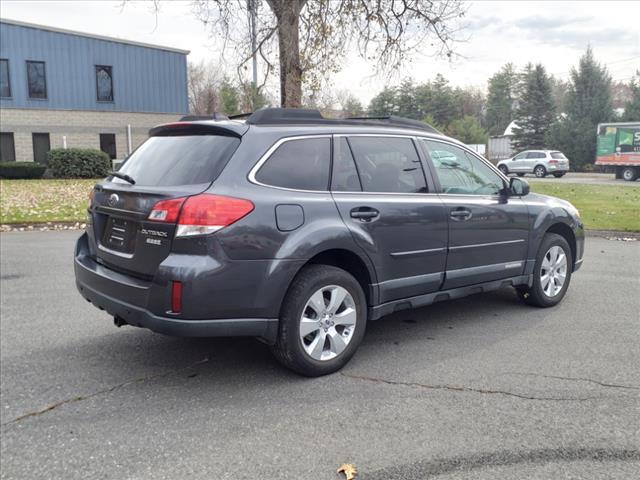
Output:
[[104, 83], [108, 144], [5, 83], [36, 80], [7, 147], [41, 146]]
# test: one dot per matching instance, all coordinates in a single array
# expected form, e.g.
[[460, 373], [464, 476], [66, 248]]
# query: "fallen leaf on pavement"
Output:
[[350, 471]]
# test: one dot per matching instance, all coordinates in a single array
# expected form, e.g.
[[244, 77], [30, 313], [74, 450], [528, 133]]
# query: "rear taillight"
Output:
[[167, 211], [553, 161], [200, 214]]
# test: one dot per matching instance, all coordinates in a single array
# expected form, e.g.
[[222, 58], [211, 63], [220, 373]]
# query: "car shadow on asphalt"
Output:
[[439, 327]]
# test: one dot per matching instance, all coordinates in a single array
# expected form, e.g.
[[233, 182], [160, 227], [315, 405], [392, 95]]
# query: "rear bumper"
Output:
[[557, 168], [128, 298]]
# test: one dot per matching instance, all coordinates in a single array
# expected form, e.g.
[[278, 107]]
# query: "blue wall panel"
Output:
[[144, 79]]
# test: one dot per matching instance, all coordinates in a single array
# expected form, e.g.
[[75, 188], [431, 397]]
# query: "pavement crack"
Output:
[[574, 379], [113, 388], [458, 388]]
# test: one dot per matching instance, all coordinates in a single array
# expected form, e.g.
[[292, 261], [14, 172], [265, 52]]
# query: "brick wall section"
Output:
[[82, 128]]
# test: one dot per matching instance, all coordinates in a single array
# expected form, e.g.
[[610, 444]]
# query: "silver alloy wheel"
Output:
[[539, 171], [553, 271], [328, 322]]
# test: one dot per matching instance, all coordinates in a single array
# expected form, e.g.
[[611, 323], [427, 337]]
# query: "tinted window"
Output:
[[345, 175], [5, 83], [460, 172], [179, 160], [7, 147], [104, 83], [108, 144], [520, 156], [36, 80], [388, 164], [536, 155], [300, 164], [41, 147], [558, 155]]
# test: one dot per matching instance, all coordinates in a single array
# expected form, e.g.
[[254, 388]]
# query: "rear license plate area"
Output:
[[120, 235]]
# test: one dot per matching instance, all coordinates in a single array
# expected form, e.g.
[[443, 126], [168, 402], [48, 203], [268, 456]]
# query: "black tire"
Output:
[[521, 174], [558, 175], [539, 171], [504, 169], [288, 348], [629, 174], [535, 294]]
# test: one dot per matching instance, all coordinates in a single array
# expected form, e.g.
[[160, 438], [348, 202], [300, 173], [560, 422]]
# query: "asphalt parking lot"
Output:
[[480, 388]]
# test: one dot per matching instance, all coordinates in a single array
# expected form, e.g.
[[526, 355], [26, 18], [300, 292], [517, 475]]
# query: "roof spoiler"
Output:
[[228, 129]]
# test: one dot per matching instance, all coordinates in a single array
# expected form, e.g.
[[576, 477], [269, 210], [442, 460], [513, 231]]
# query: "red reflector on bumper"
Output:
[[176, 297]]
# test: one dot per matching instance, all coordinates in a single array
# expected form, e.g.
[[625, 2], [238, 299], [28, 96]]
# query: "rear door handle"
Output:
[[364, 213], [460, 214]]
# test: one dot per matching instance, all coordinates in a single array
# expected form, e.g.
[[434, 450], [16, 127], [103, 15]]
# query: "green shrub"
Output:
[[21, 170], [79, 163]]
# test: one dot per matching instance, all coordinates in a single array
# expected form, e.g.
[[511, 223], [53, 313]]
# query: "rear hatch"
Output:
[[177, 161], [561, 161]]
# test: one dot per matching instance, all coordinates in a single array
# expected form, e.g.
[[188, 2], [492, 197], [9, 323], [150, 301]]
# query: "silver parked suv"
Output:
[[539, 162]]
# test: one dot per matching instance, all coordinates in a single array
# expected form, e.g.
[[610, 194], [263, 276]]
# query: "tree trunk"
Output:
[[287, 13]]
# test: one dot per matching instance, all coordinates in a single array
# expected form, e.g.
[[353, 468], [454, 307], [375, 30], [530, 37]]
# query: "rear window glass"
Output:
[[179, 160], [388, 164], [345, 176], [558, 155], [299, 164]]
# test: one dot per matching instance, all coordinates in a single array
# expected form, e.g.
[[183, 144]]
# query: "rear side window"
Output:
[[179, 160], [301, 164], [345, 176], [388, 164], [536, 155], [558, 155]]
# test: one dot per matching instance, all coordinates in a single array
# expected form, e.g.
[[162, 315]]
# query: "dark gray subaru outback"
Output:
[[298, 229]]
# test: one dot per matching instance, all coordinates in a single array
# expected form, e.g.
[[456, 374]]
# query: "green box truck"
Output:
[[619, 148]]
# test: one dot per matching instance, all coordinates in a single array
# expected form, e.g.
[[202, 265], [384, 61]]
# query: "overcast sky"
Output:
[[553, 33]]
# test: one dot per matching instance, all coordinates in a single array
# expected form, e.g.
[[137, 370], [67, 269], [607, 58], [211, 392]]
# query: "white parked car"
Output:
[[539, 162]]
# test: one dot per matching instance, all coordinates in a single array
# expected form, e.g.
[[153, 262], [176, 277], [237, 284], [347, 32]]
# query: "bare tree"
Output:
[[203, 86], [311, 37], [349, 104]]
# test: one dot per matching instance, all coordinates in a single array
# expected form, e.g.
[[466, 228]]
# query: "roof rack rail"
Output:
[[288, 116], [398, 122], [213, 116]]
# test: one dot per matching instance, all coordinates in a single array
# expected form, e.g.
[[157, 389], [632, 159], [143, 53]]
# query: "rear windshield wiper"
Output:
[[123, 176]]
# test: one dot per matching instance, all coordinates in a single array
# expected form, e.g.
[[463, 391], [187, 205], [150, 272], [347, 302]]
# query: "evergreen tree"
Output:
[[632, 108], [468, 130], [535, 112], [229, 99], [442, 106], [384, 103], [501, 99], [588, 103]]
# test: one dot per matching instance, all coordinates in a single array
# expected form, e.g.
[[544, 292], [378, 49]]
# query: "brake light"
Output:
[[206, 213], [167, 210], [200, 214], [553, 161]]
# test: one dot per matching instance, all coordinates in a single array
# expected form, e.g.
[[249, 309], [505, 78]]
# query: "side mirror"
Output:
[[518, 187]]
